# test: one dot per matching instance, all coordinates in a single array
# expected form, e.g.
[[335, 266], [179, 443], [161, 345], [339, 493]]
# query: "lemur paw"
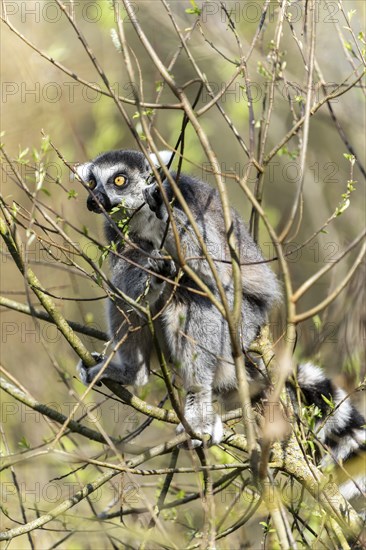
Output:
[[214, 429], [86, 374], [154, 200], [161, 266]]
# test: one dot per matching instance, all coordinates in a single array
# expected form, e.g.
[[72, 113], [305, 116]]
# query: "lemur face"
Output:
[[116, 178]]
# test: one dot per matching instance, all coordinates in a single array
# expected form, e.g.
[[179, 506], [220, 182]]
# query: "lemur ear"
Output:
[[164, 155], [83, 170]]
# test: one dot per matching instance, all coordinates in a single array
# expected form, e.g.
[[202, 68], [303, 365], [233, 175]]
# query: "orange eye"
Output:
[[91, 184], [119, 180]]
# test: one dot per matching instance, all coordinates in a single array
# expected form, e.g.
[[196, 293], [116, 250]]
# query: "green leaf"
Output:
[[22, 156], [72, 194], [263, 523], [342, 207], [261, 69], [329, 402], [15, 209], [89, 318], [284, 151], [45, 145], [349, 157], [148, 112], [170, 514], [194, 10], [317, 321], [347, 45], [24, 444], [300, 99]]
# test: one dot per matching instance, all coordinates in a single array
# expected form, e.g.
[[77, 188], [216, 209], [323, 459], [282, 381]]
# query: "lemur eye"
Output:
[[91, 184], [119, 180]]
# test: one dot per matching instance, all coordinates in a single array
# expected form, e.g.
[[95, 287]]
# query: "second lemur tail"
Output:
[[339, 427]]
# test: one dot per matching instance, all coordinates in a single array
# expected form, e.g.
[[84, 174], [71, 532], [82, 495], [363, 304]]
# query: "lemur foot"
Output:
[[87, 374], [161, 266], [214, 429]]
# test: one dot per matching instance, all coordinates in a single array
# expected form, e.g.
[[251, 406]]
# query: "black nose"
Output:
[[98, 200]]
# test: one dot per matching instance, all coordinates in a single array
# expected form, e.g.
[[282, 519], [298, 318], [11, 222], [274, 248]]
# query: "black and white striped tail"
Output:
[[340, 429]]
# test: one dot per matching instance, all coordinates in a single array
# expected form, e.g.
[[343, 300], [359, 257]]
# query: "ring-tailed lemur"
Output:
[[191, 331]]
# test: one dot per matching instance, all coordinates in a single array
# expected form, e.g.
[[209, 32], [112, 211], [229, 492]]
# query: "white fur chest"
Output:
[[148, 227]]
